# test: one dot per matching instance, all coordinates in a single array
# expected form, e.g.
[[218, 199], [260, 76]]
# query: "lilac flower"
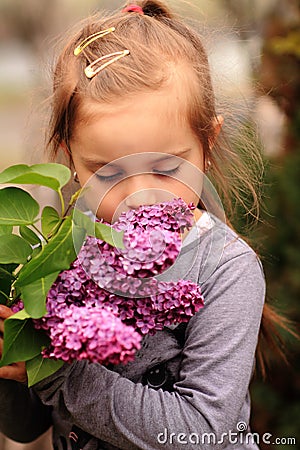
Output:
[[152, 243], [18, 306], [174, 216], [95, 334], [99, 309]]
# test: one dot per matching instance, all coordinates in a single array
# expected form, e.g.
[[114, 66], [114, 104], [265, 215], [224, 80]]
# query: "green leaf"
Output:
[[17, 207], [5, 229], [22, 174], [50, 219], [82, 220], [13, 172], [6, 280], [34, 295], [7, 269], [58, 171], [55, 256], [109, 235], [29, 235], [21, 340], [39, 368], [14, 249], [97, 229], [51, 175]]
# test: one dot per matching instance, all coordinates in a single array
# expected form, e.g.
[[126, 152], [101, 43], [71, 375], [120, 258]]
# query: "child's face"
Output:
[[160, 155]]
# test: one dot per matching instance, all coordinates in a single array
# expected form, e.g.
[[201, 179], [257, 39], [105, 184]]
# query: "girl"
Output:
[[133, 108]]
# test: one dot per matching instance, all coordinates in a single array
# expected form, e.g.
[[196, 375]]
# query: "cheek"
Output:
[[99, 198], [186, 193], [188, 184], [107, 205]]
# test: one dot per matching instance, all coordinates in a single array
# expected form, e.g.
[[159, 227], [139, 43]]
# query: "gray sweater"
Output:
[[188, 386]]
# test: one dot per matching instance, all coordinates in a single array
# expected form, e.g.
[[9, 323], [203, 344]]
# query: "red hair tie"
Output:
[[133, 8]]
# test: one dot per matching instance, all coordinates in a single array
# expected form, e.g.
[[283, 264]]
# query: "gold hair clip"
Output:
[[92, 38], [90, 72]]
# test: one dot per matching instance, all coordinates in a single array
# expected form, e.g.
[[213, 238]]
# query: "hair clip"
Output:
[[92, 38], [133, 8], [90, 72]]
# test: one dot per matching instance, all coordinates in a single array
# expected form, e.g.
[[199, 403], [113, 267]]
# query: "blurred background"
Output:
[[254, 50]]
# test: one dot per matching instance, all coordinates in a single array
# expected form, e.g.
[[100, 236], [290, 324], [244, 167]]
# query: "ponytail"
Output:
[[270, 340], [155, 8]]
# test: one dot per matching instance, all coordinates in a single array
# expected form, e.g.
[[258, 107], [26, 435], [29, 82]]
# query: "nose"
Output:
[[141, 190], [146, 196]]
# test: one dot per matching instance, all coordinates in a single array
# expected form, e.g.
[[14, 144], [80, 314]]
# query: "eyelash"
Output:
[[109, 178], [167, 172]]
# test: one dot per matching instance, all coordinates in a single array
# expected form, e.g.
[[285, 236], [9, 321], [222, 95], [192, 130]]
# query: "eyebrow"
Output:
[[90, 161]]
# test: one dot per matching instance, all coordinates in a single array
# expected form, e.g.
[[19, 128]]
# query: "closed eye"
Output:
[[118, 175], [109, 178], [167, 172]]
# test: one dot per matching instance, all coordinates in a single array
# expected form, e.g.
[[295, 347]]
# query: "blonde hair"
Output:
[[156, 40]]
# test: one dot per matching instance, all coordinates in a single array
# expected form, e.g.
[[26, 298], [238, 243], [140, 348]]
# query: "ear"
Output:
[[218, 123], [217, 126]]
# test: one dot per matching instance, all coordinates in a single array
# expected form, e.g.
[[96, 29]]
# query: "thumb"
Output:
[[5, 312]]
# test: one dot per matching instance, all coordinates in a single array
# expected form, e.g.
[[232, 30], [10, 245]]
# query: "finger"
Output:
[[5, 312], [15, 372]]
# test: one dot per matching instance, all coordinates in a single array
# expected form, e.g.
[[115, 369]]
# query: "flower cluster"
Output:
[[101, 307], [86, 333]]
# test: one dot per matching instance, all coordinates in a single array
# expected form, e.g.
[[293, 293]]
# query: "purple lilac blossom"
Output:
[[95, 334], [18, 306], [100, 308]]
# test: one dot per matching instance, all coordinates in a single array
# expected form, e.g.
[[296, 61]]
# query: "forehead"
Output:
[[148, 123], [171, 100]]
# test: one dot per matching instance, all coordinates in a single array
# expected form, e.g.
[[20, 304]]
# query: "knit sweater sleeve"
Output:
[[215, 372]]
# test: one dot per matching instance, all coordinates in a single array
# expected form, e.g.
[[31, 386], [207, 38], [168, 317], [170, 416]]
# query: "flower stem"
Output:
[[39, 232], [62, 202], [68, 209], [73, 199]]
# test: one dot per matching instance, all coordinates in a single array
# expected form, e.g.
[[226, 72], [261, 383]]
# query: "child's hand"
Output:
[[15, 371]]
